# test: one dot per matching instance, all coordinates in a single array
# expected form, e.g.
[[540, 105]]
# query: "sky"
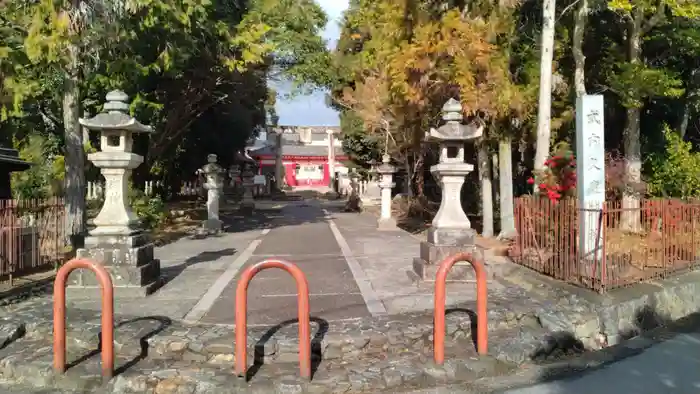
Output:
[[311, 110]]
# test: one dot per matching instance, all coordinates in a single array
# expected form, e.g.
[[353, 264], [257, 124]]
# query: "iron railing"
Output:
[[31, 236], [658, 238]]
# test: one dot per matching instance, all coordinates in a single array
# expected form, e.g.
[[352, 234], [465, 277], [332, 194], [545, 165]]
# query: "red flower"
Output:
[[531, 181], [543, 186], [553, 195]]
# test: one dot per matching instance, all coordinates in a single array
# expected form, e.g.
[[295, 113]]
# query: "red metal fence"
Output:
[[31, 236], [658, 238]]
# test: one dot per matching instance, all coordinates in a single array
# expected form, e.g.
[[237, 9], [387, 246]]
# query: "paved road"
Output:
[[672, 366], [303, 236]]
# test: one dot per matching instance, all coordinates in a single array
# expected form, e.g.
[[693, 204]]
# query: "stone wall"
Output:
[[600, 320]]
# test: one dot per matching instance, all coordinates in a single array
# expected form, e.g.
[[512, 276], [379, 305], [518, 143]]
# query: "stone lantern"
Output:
[[214, 186], [247, 177], [234, 174], [386, 183], [354, 183], [231, 187], [118, 241], [451, 230]]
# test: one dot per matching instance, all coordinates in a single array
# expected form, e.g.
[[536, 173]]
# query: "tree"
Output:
[[577, 41], [636, 82], [400, 62], [217, 55], [544, 112]]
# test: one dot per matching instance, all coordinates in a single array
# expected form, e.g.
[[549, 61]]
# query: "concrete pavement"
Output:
[[301, 235], [671, 366]]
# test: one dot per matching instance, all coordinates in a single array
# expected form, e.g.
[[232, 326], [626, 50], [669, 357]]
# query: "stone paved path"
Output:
[[386, 258], [301, 235], [190, 267]]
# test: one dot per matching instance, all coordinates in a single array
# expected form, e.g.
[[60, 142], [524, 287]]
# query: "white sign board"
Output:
[[590, 174], [259, 180]]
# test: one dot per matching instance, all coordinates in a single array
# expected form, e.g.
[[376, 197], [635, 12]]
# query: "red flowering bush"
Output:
[[558, 179]]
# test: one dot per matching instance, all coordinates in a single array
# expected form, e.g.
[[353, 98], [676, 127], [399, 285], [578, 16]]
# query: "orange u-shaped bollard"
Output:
[[302, 307], [59, 315], [481, 312]]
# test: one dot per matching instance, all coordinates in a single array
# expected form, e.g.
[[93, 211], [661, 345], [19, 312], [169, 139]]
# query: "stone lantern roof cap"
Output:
[[212, 166], [453, 129], [386, 167], [114, 116]]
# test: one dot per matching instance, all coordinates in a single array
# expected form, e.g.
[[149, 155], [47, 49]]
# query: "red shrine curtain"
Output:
[[326, 174], [290, 174]]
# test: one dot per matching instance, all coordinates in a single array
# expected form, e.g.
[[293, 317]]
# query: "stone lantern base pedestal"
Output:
[[128, 259], [441, 244], [386, 224], [212, 225], [246, 207]]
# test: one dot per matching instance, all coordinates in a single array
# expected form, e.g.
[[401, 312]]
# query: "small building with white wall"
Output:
[[310, 156]]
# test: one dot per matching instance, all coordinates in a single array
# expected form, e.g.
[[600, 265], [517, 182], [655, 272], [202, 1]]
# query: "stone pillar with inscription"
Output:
[[451, 230], [590, 175], [214, 185], [386, 222], [118, 241]]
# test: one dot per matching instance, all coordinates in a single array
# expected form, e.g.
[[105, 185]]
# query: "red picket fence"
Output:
[[31, 236], [659, 238]]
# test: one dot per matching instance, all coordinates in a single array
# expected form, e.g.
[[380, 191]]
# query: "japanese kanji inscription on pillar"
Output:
[[590, 157]]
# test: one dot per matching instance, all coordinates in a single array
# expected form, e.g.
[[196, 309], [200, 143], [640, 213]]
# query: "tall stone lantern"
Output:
[[247, 177], [386, 171], [118, 241], [451, 230], [214, 186], [234, 174]]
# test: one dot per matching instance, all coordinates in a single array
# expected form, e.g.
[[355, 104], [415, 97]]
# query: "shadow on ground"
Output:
[[298, 213], [171, 272], [161, 323], [473, 320], [659, 355], [316, 341]]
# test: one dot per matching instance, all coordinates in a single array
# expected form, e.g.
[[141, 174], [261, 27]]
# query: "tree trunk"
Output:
[[631, 138], [544, 112], [577, 48], [685, 119], [486, 190], [409, 178], [419, 174], [74, 153], [505, 178]]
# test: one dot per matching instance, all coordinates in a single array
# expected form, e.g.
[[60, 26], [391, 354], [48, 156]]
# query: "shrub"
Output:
[[558, 179], [36, 182], [149, 209], [676, 172]]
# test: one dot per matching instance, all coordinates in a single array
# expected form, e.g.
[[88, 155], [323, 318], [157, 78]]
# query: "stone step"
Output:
[[347, 341], [28, 361], [460, 272]]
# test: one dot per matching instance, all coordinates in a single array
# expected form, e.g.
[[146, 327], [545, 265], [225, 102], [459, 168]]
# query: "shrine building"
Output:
[[308, 154]]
